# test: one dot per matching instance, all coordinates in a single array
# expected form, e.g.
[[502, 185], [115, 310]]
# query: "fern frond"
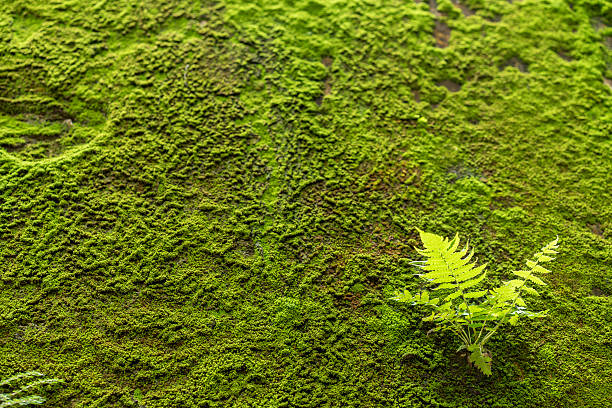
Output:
[[480, 358], [449, 267], [534, 267]]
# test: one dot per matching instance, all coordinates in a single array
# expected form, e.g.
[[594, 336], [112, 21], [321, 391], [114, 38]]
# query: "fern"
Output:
[[461, 304], [22, 384]]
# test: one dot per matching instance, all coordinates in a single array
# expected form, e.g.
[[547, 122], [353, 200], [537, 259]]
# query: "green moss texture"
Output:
[[210, 203]]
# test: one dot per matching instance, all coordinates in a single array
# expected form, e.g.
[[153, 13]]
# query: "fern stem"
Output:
[[484, 325], [460, 332], [462, 297], [481, 329]]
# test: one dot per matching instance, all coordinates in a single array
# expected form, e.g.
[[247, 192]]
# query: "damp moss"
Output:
[[229, 193]]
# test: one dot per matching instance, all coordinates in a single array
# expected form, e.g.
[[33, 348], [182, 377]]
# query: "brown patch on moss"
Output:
[[502, 202], [595, 291], [442, 31], [564, 56], [433, 7], [596, 229], [393, 180], [516, 63], [354, 300], [442, 34], [598, 24], [521, 375], [327, 62], [450, 85], [326, 91], [384, 241], [245, 247], [327, 87], [464, 9]]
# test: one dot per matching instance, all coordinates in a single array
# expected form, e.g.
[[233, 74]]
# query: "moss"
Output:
[[226, 195]]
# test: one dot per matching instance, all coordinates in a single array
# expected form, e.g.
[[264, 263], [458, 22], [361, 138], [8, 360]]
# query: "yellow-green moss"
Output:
[[225, 197]]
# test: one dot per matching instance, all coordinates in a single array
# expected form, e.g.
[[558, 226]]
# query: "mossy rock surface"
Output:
[[209, 204]]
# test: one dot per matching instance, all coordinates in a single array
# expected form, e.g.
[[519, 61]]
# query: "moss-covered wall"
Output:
[[208, 204]]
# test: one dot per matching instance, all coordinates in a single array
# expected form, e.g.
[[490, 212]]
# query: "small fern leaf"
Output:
[[432, 242], [551, 247], [452, 296], [446, 286], [454, 259], [540, 269], [430, 318], [477, 294], [465, 260], [472, 273], [504, 294], [454, 244], [522, 274], [530, 290], [515, 283], [544, 258], [423, 298], [403, 297], [480, 360], [472, 283], [433, 265], [536, 280], [437, 276]]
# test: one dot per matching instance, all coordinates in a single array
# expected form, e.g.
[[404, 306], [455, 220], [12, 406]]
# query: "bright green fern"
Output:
[[22, 384], [461, 304]]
